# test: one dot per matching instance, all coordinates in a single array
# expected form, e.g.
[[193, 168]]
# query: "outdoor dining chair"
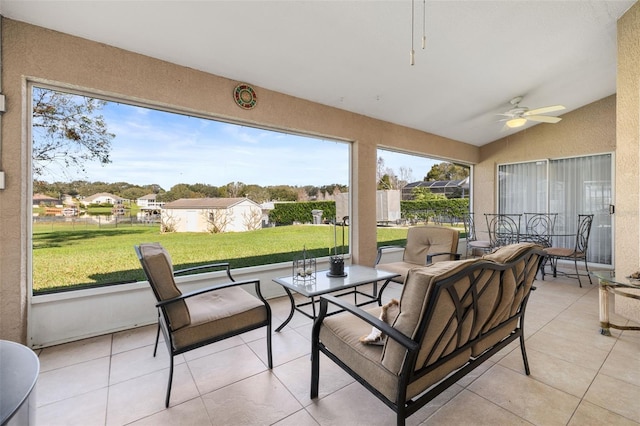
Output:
[[192, 320], [575, 253], [472, 238], [539, 228], [504, 229]]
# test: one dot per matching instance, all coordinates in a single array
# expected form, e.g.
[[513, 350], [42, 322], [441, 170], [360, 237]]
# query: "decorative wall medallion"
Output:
[[245, 96]]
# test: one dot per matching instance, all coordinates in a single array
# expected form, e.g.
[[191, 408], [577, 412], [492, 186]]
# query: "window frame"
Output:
[[30, 83]]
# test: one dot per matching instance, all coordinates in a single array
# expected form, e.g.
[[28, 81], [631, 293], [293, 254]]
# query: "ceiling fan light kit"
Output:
[[516, 122], [519, 115]]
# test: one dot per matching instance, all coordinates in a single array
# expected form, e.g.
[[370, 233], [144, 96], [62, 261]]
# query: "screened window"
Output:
[[108, 174]]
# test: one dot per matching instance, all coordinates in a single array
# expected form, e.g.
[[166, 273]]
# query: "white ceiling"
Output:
[[354, 55]]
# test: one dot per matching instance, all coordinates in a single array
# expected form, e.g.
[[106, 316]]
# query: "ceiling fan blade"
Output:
[[545, 110], [543, 118]]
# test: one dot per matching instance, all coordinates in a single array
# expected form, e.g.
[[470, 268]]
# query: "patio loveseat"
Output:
[[452, 316]]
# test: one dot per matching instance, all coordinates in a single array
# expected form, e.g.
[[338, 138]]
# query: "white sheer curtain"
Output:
[[569, 187], [522, 188]]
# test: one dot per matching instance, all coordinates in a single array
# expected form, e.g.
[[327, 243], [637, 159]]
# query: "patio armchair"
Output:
[[425, 245], [192, 320], [452, 316]]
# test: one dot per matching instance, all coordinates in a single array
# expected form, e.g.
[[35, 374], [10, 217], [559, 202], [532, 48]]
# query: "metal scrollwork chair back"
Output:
[[504, 229]]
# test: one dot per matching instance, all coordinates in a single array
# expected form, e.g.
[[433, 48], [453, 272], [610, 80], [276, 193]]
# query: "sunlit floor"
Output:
[[578, 377]]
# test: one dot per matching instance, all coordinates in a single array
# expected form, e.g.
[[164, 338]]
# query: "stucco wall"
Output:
[[627, 236], [45, 55], [587, 130]]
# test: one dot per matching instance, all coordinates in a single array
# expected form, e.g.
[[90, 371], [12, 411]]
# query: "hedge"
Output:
[[288, 213], [433, 210]]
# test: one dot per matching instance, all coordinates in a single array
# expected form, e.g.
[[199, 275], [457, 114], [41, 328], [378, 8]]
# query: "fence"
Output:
[[99, 221]]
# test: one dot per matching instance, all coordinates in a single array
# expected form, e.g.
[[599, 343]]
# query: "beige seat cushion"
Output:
[[424, 240], [401, 268], [416, 292], [501, 300], [340, 333], [160, 269], [217, 313], [421, 241]]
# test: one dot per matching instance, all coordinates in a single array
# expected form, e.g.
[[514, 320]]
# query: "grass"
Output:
[[68, 257]]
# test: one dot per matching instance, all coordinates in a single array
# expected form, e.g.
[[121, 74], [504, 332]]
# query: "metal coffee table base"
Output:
[[357, 275]]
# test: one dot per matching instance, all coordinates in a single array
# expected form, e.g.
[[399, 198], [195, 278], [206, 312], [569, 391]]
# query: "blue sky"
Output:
[[156, 147]]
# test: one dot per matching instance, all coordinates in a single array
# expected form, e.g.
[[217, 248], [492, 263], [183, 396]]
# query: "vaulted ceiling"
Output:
[[354, 55]]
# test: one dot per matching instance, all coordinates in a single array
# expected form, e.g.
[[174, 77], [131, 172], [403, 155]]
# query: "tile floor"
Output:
[[578, 377]]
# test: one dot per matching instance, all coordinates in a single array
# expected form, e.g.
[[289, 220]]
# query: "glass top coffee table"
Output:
[[618, 284], [356, 275]]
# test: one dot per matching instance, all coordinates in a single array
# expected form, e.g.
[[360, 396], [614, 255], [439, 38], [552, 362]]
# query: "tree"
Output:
[[447, 171], [68, 132], [423, 194]]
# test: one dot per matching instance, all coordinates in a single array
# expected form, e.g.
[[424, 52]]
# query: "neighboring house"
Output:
[[44, 200], [148, 202], [447, 187], [211, 215], [103, 197]]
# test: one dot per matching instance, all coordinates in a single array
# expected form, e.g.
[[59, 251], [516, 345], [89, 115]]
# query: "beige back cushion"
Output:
[[160, 269], [416, 292], [423, 240]]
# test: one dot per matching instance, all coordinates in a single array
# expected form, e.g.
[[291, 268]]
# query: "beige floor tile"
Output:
[[77, 379], [568, 348], [524, 396], [340, 409], [260, 399], [623, 362], [473, 375], [136, 338], [88, 409], [143, 396], [355, 405], [296, 376], [189, 413], [563, 342], [615, 395], [75, 352], [553, 371], [467, 408], [138, 362], [299, 418], [257, 334], [587, 335], [589, 414], [224, 368], [213, 348], [286, 346]]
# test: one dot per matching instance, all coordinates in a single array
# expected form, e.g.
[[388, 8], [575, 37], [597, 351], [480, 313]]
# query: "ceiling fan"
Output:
[[519, 115]]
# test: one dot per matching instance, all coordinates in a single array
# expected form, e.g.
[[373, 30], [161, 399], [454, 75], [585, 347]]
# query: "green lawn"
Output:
[[70, 257]]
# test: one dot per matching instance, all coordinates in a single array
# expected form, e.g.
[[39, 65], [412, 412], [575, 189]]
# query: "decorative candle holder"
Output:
[[304, 269], [336, 262]]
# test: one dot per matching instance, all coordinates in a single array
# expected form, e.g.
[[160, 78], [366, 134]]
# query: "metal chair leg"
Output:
[[155, 348], [166, 402]]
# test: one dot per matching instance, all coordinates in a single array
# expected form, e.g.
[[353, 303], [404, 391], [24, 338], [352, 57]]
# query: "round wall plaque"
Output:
[[245, 96]]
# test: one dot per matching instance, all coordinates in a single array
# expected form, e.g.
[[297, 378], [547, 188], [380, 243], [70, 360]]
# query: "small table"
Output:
[[356, 275], [610, 282], [19, 368]]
